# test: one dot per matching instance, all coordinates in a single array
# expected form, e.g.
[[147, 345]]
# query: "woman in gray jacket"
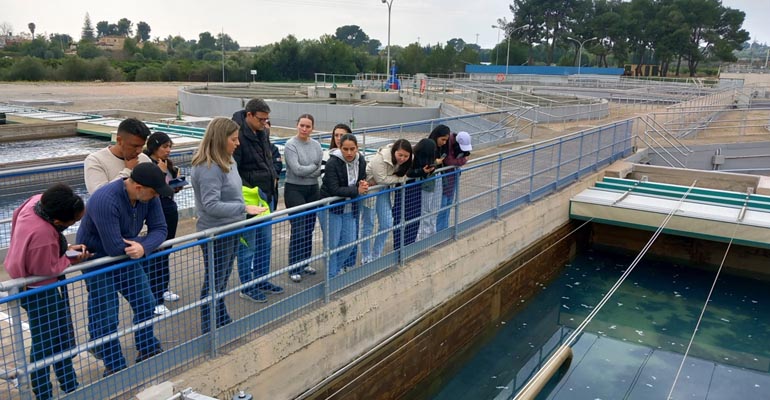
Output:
[[218, 201]]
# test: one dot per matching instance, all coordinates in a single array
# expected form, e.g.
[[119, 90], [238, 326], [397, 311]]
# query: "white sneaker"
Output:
[[161, 309], [296, 277], [170, 296]]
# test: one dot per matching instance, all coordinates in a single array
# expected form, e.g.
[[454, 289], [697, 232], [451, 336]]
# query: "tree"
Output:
[[457, 44], [87, 49], [143, 31], [351, 35], [60, 40], [230, 44], [713, 29], [31, 27], [125, 27], [87, 34], [206, 41], [102, 29]]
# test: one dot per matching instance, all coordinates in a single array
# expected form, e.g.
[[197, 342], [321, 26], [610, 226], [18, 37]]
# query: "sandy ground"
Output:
[[157, 97]]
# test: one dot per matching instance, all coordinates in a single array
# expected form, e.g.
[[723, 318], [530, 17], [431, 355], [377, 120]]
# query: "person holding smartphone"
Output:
[[458, 149], [158, 272], [431, 190], [38, 248]]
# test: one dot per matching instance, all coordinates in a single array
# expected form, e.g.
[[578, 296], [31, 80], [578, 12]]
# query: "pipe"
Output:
[[559, 363]]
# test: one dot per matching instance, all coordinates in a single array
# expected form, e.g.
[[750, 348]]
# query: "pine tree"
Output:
[[88, 30]]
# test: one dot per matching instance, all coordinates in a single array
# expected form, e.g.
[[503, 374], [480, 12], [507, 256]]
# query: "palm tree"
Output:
[[31, 27]]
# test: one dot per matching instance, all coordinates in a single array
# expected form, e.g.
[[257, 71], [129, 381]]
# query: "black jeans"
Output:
[[301, 242], [224, 254], [157, 269]]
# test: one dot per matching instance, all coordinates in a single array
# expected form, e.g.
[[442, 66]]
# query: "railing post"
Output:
[[403, 225], [580, 154], [532, 174], [558, 163], [327, 254], [19, 355], [456, 202], [498, 200], [213, 293]]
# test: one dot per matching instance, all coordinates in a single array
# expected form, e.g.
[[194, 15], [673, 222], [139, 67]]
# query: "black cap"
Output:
[[150, 175]]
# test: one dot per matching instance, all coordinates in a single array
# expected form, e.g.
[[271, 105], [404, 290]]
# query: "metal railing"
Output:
[[485, 189]]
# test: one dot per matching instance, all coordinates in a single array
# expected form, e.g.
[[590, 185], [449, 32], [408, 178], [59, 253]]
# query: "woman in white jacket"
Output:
[[387, 167]]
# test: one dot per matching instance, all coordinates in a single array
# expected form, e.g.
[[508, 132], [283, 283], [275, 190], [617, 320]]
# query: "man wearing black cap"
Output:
[[114, 217]]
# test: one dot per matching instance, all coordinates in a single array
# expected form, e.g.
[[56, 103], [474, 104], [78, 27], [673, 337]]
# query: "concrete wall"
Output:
[[326, 115], [19, 132], [540, 70], [300, 353], [752, 157]]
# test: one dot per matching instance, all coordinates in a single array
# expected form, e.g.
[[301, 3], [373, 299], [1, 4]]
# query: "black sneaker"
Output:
[[255, 296], [269, 288], [143, 356], [107, 371]]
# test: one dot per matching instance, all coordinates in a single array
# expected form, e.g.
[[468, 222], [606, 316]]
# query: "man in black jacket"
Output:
[[254, 157]]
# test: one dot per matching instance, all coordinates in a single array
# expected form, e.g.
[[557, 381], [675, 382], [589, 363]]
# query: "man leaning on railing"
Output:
[[115, 216]]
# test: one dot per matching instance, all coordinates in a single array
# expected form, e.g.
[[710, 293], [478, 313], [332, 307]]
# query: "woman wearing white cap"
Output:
[[458, 149]]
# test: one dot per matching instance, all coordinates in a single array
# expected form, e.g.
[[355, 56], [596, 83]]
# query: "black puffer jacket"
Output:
[[335, 180], [254, 157]]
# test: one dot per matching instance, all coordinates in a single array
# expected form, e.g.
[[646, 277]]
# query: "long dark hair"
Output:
[[154, 142], [333, 143], [401, 144], [438, 132]]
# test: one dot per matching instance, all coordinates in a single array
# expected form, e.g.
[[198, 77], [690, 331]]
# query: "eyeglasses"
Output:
[[263, 120]]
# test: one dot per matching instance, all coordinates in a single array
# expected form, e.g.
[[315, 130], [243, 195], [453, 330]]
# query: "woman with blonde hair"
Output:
[[218, 201]]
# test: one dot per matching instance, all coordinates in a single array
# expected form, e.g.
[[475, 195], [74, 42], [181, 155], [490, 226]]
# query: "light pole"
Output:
[[389, 3], [497, 48], [508, 53], [580, 49]]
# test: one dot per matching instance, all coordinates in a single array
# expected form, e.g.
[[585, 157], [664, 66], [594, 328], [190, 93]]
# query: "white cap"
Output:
[[464, 140]]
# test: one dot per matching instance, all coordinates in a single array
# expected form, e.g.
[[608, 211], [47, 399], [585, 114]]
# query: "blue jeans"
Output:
[[103, 311], [224, 253], [412, 206], [52, 333], [384, 220], [254, 255], [442, 222], [342, 231]]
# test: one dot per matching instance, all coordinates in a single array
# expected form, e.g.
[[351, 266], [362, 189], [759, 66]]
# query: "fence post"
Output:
[[213, 293], [498, 201], [558, 163], [532, 173], [403, 226], [456, 202], [19, 354], [327, 253]]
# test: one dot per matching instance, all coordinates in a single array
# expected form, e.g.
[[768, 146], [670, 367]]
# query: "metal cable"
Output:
[[338, 373], [708, 299], [573, 336]]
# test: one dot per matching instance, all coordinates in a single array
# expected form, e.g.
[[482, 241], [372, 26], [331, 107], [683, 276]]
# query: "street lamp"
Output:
[[497, 48], [389, 3], [580, 49], [508, 53]]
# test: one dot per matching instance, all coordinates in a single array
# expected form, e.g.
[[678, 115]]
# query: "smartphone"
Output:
[[178, 182], [73, 253]]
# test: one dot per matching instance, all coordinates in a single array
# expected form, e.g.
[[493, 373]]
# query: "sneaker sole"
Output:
[[247, 297]]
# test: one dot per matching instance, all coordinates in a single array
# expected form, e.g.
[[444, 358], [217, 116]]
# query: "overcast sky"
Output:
[[261, 22]]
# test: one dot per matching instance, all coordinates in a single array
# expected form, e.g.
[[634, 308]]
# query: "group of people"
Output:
[[234, 174], [129, 190]]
